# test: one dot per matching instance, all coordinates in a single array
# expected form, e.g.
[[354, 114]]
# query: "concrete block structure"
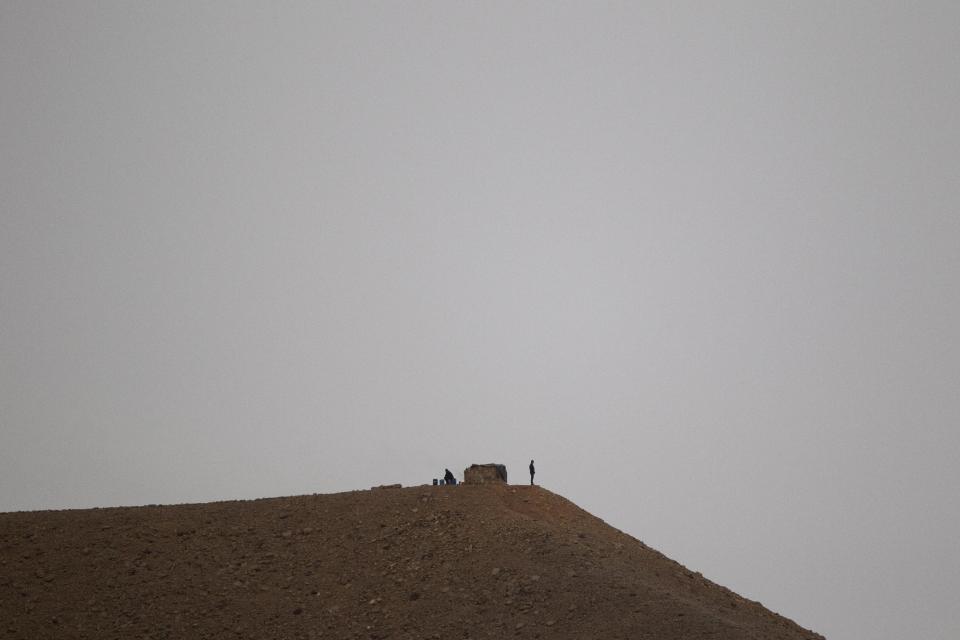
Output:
[[485, 474]]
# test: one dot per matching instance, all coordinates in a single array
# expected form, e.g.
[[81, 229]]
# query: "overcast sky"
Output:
[[700, 262]]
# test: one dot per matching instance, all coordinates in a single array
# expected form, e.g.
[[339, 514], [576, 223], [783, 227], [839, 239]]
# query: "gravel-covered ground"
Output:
[[488, 561]]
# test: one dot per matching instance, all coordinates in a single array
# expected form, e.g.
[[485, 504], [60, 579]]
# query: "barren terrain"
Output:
[[421, 562]]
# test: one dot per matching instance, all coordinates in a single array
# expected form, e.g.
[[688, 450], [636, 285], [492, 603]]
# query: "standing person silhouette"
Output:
[[532, 471]]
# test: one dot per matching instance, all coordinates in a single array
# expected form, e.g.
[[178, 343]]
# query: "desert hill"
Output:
[[488, 561]]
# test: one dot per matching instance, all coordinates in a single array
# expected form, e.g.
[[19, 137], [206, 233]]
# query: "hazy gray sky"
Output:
[[699, 261]]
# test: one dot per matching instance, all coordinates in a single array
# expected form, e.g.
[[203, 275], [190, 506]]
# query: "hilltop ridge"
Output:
[[420, 562]]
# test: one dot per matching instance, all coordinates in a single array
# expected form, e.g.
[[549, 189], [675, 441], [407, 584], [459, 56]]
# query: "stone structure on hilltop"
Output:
[[485, 474]]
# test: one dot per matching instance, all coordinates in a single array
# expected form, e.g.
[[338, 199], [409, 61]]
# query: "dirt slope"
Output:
[[421, 562]]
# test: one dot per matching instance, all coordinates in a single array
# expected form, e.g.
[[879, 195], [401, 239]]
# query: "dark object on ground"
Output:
[[448, 477]]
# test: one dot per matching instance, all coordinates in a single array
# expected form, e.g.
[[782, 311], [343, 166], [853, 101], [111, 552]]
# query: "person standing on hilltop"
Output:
[[532, 471], [448, 478]]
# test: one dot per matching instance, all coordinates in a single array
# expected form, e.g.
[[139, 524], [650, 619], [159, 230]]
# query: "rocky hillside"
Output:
[[420, 562]]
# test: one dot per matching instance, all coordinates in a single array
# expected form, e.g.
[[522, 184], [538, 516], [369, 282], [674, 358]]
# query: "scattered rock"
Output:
[[227, 569]]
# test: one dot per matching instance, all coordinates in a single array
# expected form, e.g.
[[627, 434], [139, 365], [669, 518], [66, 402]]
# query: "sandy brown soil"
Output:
[[420, 562]]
